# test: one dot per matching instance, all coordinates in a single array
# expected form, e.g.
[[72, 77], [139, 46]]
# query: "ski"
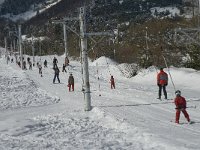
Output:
[[168, 99], [182, 123]]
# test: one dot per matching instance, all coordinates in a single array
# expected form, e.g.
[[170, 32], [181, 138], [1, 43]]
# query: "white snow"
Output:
[[1, 1], [30, 39], [173, 11], [37, 114], [29, 14]]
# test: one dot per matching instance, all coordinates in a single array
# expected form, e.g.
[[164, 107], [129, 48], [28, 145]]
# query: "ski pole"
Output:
[[192, 107], [187, 107], [169, 73]]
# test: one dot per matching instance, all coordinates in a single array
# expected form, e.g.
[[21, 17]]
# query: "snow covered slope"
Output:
[[31, 13], [37, 114]]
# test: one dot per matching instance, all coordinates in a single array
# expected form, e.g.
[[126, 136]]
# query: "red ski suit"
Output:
[[71, 83], [112, 81], [180, 103]]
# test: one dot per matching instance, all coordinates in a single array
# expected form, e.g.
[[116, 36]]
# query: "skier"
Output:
[[64, 70], [162, 82], [180, 103], [45, 63], [24, 65], [112, 82], [66, 61], [56, 75], [28, 59], [71, 82], [55, 61], [40, 69], [30, 65]]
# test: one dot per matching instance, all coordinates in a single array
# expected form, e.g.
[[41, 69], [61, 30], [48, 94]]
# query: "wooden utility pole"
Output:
[[65, 40], [5, 40], [63, 22], [84, 51], [20, 45], [33, 49], [85, 59]]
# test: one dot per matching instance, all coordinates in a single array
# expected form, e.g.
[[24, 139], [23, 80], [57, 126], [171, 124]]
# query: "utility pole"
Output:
[[5, 40], [20, 45], [84, 51], [198, 14], [63, 22], [40, 48], [14, 45], [84, 36], [189, 35], [11, 46], [85, 59], [65, 40], [33, 50], [147, 46]]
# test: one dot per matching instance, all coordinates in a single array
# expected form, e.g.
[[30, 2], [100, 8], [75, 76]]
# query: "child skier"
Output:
[[63, 68], [180, 103], [40, 69], [71, 82], [112, 82]]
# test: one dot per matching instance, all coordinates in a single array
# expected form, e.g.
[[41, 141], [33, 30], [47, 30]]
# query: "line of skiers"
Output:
[[180, 102], [57, 71]]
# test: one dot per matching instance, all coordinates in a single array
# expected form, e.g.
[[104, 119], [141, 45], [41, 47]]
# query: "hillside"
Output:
[[133, 21], [37, 114]]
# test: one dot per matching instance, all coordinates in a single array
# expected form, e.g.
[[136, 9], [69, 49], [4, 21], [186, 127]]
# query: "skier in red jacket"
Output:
[[180, 103], [112, 82], [162, 82]]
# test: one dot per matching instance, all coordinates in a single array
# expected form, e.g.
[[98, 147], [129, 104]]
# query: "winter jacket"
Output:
[[180, 102], [55, 61], [112, 80], [57, 71], [66, 61], [162, 78], [71, 80]]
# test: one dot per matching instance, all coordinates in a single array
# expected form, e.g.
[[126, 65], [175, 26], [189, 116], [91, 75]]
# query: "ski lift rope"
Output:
[[169, 73]]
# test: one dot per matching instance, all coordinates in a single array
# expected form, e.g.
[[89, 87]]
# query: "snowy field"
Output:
[[39, 115]]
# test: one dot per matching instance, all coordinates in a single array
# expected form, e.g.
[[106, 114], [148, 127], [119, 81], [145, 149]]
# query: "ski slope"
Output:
[[37, 114]]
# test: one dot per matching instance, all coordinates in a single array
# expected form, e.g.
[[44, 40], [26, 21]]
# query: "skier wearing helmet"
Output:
[[180, 103]]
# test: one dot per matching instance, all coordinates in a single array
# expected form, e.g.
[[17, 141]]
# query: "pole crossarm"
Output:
[[104, 34], [188, 29], [96, 42], [187, 35], [14, 33], [64, 20], [100, 34]]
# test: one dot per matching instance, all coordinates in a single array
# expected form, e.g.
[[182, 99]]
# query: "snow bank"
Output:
[[173, 11], [23, 92], [103, 61]]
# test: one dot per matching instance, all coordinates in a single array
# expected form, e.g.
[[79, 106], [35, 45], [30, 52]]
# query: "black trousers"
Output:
[[56, 76], [162, 87]]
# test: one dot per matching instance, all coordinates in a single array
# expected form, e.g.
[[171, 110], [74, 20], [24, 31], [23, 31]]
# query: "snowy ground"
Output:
[[37, 114]]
